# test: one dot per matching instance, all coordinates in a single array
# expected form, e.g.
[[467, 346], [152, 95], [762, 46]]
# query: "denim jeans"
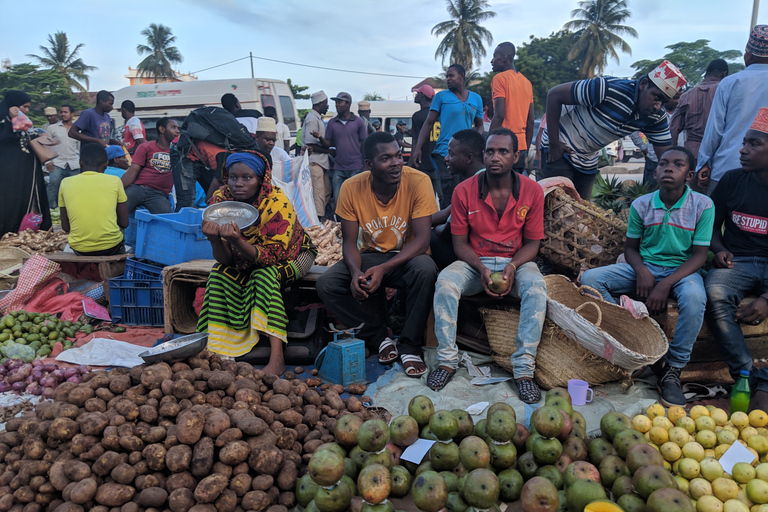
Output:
[[689, 293], [460, 279], [337, 179], [726, 287], [156, 201], [583, 182], [54, 182], [186, 173]]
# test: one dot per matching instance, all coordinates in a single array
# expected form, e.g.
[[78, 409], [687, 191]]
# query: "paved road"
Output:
[[632, 170]]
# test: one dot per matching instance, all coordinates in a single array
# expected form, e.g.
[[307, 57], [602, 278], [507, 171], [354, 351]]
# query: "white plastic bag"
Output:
[[296, 181]]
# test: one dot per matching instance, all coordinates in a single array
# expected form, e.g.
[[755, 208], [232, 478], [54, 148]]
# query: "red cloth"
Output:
[[35, 272], [197, 305], [53, 298]]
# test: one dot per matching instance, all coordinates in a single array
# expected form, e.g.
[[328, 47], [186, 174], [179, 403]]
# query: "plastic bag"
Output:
[[15, 350], [298, 187], [21, 123]]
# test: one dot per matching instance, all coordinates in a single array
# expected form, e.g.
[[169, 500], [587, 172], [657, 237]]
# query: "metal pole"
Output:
[[755, 8], [252, 55]]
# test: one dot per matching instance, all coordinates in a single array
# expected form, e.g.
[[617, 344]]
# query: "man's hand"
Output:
[[103, 143], [372, 278], [211, 229], [724, 259], [704, 174], [315, 134], [754, 313], [657, 299], [49, 166], [356, 287], [230, 232], [645, 283], [556, 150], [486, 281], [415, 160], [509, 278]]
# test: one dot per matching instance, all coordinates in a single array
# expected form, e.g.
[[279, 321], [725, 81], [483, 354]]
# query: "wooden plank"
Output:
[[668, 320], [70, 257]]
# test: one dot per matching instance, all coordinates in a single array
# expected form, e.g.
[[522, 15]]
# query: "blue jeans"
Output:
[[156, 201], [726, 288], [460, 279], [337, 179], [54, 182], [689, 293]]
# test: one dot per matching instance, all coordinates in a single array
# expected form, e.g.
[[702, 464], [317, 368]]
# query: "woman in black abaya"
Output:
[[21, 174]]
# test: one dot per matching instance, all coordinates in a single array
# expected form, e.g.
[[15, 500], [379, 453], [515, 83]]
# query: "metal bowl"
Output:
[[176, 350], [243, 214]]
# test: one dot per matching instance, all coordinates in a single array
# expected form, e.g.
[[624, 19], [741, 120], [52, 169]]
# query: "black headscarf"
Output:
[[13, 99]]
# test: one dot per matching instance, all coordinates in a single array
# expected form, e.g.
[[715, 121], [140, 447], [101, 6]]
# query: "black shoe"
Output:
[[529, 391], [669, 387]]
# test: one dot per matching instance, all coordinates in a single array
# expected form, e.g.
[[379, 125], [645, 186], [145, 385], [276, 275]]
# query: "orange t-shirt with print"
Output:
[[517, 92], [386, 227]]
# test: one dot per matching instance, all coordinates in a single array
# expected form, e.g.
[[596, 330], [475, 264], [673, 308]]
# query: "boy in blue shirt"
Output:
[[667, 243]]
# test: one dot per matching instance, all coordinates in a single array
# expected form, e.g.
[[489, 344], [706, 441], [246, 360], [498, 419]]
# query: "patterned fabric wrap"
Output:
[[35, 272], [761, 121]]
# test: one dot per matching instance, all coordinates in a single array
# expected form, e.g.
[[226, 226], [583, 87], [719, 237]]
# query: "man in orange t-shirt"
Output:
[[386, 219], [512, 100]]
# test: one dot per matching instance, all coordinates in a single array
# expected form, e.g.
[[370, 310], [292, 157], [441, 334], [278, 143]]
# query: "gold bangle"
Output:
[[513, 266]]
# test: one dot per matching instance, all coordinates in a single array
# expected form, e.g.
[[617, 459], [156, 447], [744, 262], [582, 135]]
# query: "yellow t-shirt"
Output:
[[386, 227], [91, 200]]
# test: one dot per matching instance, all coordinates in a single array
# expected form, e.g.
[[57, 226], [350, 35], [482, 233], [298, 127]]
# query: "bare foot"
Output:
[[276, 367]]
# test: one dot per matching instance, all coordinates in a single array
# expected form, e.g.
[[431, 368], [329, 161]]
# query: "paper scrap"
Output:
[[473, 370], [104, 352], [481, 381], [735, 454], [416, 452], [477, 408]]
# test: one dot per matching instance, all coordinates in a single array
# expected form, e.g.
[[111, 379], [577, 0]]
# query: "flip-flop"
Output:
[[694, 392], [388, 342], [409, 360]]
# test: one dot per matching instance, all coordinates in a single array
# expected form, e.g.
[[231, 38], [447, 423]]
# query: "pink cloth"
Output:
[[35, 272]]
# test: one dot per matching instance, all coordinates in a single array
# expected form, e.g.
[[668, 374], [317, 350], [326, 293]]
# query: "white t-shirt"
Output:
[[278, 154], [250, 123], [283, 134]]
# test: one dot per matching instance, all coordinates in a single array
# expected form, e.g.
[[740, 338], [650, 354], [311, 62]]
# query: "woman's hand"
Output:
[[211, 230], [230, 232], [13, 112]]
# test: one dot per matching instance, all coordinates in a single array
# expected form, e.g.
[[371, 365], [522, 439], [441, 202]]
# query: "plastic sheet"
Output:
[[104, 352]]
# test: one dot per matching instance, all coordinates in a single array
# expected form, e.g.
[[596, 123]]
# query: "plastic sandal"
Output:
[[529, 391], [388, 342], [438, 379], [408, 361]]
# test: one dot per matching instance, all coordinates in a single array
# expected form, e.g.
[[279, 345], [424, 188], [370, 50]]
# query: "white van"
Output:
[[177, 99], [389, 113]]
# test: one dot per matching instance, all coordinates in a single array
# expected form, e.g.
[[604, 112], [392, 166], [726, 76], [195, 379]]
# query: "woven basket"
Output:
[[558, 358], [580, 233], [11, 261], [605, 329]]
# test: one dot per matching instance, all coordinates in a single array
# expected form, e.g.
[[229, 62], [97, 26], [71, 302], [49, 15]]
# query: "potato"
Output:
[[63, 429], [234, 453], [281, 387], [203, 508], [285, 438], [79, 395], [83, 491], [153, 497], [290, 418], [119, 384], [153, 434], [248, 396], [279, 403], [68, 506], [267, 437], [105, 464], [256, 501], [114, 495], [155, 456], [189, 427], [93, 423], [227, 501], [264, 412], [210, 487], [240, 484], [287, 499], [266, 459], [202, 457], [82, 443], [178, 458], [179, 480], [153, 376], [123, 474], [127, 408], [57, 476], [183, 389], [34, 448], [147, 481], [312, 397], [216, 424], [131, 443], [220, 380], [181, 500], [148, 413], [252, 426], [286, 480], [76, 470], [24, 494], [131, 506]]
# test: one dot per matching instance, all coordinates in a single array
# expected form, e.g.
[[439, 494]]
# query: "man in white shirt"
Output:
[[68, 162], [134, 133], [283, 140], [318, 156], [266, 135]]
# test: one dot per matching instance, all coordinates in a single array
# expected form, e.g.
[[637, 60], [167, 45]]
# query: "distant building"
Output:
[[147, 78]]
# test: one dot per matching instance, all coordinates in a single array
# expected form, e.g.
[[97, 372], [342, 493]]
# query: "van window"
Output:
[[286, 105], [150, 125], [267, 100], [391, 124]]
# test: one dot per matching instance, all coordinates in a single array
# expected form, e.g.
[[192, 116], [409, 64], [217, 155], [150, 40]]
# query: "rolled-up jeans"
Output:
[[614, 280], [186, 173], [726, 287], [459, 279], [54, 182]]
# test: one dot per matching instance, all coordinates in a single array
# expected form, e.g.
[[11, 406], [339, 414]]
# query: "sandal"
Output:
[[409, 365], [695, 392], [529, 391], [438, 379], [387, 355]]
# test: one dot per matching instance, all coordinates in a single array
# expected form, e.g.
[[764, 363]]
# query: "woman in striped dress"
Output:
[[243, 296]]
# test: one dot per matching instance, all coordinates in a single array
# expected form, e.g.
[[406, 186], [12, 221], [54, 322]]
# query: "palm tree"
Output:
[[161, 53], [598, 29], [465, 38], [58, 56]]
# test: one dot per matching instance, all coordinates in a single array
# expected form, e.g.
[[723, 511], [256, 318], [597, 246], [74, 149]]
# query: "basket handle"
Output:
[[588, 290], [593, 304]]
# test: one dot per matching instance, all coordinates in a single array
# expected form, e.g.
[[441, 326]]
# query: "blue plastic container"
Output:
[[342, 361], [136, 302], [142, 270], [172, 238]]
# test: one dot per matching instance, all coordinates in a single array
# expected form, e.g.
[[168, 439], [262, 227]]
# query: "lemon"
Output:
[[693, 450], [641, 423], [743, 472], [724, 489], [759, 444], [699, 487], [698, 410], [658, 435], [705, 423], [706, 438], [740, 420], [654, 410]]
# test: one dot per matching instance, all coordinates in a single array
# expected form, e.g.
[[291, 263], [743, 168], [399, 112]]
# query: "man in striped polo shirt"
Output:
[[667, 243], [593, 113]]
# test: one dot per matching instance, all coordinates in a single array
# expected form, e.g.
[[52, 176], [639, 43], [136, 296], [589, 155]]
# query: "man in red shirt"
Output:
[[497, 223], [149, 180]]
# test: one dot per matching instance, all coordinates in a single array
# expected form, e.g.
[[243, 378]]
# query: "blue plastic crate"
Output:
[[142, 270], [136, 302], [172, 238]]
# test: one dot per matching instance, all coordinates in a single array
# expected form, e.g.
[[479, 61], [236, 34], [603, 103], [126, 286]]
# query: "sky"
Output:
[[391, 37]]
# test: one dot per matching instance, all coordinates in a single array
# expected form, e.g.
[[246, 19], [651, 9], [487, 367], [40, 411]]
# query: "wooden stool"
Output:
[[109, 266]]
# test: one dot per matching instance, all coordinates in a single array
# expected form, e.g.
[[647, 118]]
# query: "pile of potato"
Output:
[[207, 435], [36, 242], [327, 239]]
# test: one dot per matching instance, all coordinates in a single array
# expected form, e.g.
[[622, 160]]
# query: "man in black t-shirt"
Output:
[[741, 257], [424, 95]]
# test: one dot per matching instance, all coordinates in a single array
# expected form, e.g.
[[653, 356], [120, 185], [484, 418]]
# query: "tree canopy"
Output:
[[48, 88], [373, 96], [464, 37], [59, 56], [298, 90], [691, 59], [161, 55]]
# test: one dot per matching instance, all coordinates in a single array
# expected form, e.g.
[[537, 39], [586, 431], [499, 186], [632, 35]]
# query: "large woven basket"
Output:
[[605, 329], [558, 358], [580, 233], [11, 261]]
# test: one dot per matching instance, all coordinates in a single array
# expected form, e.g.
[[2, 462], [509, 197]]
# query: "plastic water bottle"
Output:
[[740, 393]]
